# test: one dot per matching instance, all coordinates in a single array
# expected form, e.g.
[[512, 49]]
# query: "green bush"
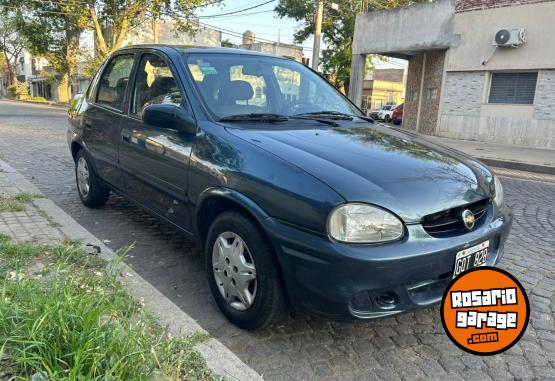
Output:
[[38, 99], [19, 90], [11, 91]]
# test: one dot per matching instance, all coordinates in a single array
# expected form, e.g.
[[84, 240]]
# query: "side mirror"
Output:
[[169, 116]]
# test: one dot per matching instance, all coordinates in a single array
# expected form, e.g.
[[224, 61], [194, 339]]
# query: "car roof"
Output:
[[195, 49]]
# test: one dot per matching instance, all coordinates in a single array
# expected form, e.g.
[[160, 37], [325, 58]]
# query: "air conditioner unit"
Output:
[[509, 37]]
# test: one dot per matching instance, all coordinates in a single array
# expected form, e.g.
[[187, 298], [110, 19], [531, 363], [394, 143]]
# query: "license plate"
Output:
[[474, 256]]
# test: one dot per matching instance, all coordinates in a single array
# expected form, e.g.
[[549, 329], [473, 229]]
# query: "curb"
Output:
[[519, 166], [219, 359], [60, 106]]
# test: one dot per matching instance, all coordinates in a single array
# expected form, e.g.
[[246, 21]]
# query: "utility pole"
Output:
[[317, 34], [155, 38]]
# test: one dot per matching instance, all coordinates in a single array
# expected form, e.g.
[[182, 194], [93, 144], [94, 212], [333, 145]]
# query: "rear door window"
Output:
[[114, 81]]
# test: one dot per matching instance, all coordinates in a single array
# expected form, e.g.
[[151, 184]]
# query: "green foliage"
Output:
[[11, 44], [63, 317], [16, 203], [228, 44], [19, 90], [11, 91], [337, 30], [38, 99]]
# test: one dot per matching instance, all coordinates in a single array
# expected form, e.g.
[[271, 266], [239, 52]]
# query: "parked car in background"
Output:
[[297, 198], [397, 115], [385, 113]]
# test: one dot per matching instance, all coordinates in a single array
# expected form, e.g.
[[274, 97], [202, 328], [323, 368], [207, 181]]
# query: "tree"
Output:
[[338, 28], [121, 16], [51, 29], [11, 45], [228, 44]]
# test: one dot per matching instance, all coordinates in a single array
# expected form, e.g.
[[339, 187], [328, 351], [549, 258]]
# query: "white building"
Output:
[[461, 82]]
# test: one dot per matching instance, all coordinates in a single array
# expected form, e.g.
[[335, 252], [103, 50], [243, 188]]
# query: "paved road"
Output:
[[411, 346]]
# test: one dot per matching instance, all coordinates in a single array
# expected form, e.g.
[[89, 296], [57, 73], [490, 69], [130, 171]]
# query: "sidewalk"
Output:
[[539, 160], [30, 217]]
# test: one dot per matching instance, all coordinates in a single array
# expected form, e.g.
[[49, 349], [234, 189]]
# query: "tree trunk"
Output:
[[64, 90], [11, 74]]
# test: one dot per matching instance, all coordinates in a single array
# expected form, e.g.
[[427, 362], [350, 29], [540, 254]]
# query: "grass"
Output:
[[63, 316], [16, 203], [48, 218]]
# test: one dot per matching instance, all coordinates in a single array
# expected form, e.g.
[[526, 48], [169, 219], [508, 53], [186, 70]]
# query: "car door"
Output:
[[102, 120], [155, 160]]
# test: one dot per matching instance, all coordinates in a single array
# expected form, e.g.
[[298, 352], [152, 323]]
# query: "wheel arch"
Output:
[[75, 148], [214, 201]]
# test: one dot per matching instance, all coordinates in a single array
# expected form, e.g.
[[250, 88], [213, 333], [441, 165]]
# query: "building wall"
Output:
[[475, 32], [417, 27], [473, 5], [433, 75], [465, 111], [277, 49], [412, 93], [166, 35], [383, 87], [463, 93], [466, 115]]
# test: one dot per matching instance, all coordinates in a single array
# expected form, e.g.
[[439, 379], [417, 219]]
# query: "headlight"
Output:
[[498, 198], [362, 223]]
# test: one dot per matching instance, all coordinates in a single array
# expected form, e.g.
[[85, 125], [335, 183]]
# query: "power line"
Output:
[[235, 16], [237, 11], [240, 34], [243, 5]]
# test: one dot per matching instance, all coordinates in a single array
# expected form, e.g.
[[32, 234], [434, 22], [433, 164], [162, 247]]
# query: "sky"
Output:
[[264, 23]]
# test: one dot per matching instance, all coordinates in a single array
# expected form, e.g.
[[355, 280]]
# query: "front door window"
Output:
[[155, 84]]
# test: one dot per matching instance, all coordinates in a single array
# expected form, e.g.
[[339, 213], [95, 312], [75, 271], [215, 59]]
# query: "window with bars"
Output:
[[513, 88]]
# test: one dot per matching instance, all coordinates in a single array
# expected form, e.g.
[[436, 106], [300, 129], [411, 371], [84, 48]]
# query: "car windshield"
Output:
[[234, 85]]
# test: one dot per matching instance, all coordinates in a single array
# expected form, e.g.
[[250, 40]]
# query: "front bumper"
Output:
[[346, 282]]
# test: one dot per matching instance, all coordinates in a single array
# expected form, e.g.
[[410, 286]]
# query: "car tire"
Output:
[[387, 119], [91, 192], [263, 302], [397, 122]]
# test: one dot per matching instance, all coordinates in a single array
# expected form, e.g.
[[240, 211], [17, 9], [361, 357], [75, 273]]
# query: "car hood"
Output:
[[374, 164]]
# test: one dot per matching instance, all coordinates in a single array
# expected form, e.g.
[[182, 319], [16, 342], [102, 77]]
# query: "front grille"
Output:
[[450, 223]]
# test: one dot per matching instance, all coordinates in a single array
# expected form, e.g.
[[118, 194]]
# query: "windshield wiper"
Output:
[[314, 118], [335, 114], [269, 117], [262, 117], [340, 115]]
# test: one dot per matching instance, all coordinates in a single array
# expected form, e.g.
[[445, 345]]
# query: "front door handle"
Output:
[[126, 136]]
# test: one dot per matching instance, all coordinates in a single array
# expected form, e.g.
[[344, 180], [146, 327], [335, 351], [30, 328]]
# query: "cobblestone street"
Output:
[[410, 346]]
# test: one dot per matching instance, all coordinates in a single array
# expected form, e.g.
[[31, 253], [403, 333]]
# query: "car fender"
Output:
[[244, 202]]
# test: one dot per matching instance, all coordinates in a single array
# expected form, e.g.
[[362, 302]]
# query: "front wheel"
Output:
[[91, 192], [387, 119], [243, 272]]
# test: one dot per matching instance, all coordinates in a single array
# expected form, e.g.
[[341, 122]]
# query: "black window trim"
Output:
[[490, 82], [126, 96]]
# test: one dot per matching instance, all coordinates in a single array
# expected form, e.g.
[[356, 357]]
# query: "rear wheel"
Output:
[[243, 272], [387, 119], [91, 192]]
